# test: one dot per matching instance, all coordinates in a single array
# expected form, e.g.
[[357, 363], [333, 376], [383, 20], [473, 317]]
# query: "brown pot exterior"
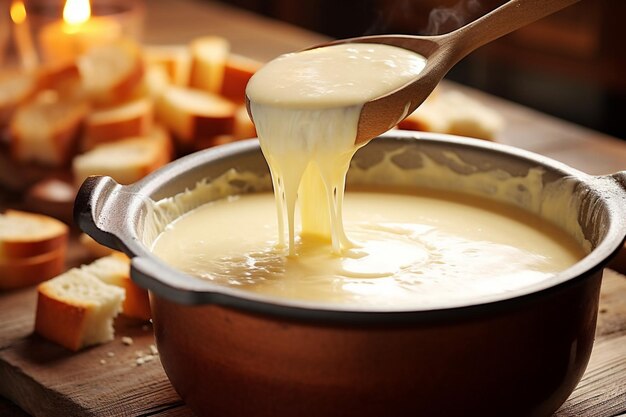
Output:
[[522, 358]]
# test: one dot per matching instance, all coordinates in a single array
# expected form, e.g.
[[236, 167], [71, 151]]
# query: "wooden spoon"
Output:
[[442, 53]]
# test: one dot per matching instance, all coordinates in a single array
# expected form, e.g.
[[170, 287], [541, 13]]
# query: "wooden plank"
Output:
[[602, 391], [48, 380]]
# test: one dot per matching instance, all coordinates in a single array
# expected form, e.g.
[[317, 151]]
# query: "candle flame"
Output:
[[76, 12], [18, 12]]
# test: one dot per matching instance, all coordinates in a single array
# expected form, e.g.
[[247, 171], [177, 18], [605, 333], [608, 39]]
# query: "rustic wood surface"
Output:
[[46, 380]]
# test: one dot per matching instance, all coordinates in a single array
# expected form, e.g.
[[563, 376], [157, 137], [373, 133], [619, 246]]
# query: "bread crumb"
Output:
[[139, 353], [143, 358], [110, 354], [127, 340], [153, 350], [103, 361]]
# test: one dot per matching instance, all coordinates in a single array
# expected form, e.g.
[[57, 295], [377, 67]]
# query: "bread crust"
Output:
[[127, 120], [51, 236], [57, 144], [192, 115], [237, 73], [208, 61], [24, 272], [60, 322], [27, 86]]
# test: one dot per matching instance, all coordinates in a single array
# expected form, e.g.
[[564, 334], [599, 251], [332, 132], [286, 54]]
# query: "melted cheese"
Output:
[[410, 250]]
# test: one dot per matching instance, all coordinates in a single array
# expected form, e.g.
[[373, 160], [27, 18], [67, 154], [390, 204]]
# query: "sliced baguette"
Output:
[[24, 272], [62, 77], [24, 235], [15, 89], [126, 120], [126, 161], [45, 130], [95, 249], [115, 270], [244, 128], [155, 82], [53, 197], [454, 113], [192, 114], [237, 72], [111, 73], [209, 142], [173, 59], [76, 309], [208, 61]]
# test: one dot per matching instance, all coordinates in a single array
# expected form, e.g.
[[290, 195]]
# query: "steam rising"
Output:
[[451, 18], [440, 19]]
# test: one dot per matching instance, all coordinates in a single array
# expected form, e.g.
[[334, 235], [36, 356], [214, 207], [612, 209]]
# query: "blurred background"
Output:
[[571, 64]]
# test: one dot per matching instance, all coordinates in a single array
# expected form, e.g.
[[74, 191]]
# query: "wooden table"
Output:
[[145, 390]]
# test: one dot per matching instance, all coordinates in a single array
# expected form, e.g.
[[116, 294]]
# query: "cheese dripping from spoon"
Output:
[[306, 109]]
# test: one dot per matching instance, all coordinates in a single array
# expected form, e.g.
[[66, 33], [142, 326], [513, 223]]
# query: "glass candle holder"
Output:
[[5, 28], [62, 30]]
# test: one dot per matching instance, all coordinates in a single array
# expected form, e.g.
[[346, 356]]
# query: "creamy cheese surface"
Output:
[[409, 250], [334, 76], [306, 109]]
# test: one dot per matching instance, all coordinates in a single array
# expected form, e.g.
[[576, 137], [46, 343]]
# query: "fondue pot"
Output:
[[229, 352]]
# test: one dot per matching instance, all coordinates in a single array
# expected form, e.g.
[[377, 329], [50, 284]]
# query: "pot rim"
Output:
[[163, 280]]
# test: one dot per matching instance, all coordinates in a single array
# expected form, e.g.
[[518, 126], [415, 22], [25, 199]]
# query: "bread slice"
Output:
[[24, 235], [175, 60], [126, 120], [24, 272], [45, 130], [209, 142], [15, 89], [155, 82], [208, 61], [455, 113], [244, 128], [126, 161], [76, 309], [62, 77], [115, 270], [112, 72], [191, 114], [53, 197], [237, 72], [95, 249]]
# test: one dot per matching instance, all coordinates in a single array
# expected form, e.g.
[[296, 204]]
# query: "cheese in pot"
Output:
[[410, 249], [306, 109]]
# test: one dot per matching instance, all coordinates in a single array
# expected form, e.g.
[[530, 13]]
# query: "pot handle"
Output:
[[94, 195]]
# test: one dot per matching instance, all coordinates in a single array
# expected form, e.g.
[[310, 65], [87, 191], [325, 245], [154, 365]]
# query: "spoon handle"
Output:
[[501, 21]]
